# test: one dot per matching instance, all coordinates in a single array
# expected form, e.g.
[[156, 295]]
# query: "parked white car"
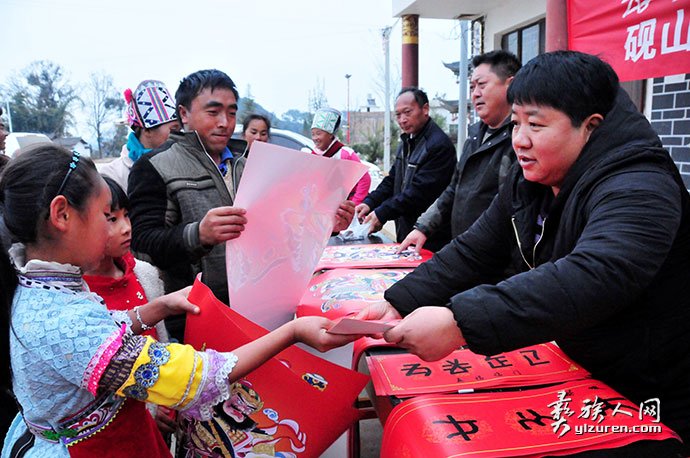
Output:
[[299, 142], [17, 140]]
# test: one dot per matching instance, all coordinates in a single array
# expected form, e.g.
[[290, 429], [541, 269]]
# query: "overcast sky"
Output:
[[281, 49]]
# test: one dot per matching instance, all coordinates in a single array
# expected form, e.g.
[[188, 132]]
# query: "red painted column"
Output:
[[556, 25], [410, 50]]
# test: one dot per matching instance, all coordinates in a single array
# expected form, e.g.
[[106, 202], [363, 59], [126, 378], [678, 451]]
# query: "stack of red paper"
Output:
[[564, 419], [406, 375], [370, 256], [340, 292]]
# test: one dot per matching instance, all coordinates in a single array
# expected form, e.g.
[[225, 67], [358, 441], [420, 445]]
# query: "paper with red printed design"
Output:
[[279, 397], [560, 420], [371, 256], [342, 292], [406, 374]]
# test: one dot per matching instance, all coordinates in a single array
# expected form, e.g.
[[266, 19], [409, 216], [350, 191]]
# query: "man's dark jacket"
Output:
[[481, 171], [423, 168], [170, 190], [609, 280]]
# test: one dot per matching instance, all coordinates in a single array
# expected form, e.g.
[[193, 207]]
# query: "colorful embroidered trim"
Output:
[[147, 374], [100, 360], [197, 358], [215, 385], [88, 422], [117, 372]]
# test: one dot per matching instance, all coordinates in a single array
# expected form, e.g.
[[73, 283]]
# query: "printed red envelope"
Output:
[[276, 402], [405, 374], [370, 256], [559, 420], [340, 292]]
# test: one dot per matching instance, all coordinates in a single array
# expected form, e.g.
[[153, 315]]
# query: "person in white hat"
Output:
[[323, 128], [151, 116]]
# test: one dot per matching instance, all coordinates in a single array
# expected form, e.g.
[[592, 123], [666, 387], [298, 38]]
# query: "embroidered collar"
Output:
[[48, 272]]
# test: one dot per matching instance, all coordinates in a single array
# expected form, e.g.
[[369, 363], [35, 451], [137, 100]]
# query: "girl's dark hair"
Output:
[[252, 117], [33, 179], [572, 82], [118, 199], [8, 283]]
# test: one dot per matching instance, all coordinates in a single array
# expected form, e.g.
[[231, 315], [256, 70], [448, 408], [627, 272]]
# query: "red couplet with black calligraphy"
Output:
[[564, 419], [406, 375]]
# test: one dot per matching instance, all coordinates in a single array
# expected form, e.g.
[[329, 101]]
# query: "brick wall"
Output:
[[671, 119]]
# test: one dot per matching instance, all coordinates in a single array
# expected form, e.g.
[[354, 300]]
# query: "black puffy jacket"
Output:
[[609, 280]]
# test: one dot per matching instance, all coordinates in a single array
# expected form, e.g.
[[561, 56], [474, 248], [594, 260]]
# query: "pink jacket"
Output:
[[361, 189]]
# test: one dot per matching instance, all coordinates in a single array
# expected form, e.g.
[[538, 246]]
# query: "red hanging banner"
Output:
[[277, 401], [404, 375], [639, 38], [560, 420]]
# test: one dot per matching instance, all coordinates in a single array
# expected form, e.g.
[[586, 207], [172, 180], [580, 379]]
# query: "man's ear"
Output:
[[60, 213], [593, 121], [184, 114]]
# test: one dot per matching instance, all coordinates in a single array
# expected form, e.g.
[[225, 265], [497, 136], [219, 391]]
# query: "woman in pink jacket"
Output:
[[323, 128]]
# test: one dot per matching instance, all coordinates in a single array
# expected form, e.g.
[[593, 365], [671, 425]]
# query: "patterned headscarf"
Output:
[[326, 119], [150, 105]]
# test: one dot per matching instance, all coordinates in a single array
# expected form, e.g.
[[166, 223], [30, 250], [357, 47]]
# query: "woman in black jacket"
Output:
[[596, 219]]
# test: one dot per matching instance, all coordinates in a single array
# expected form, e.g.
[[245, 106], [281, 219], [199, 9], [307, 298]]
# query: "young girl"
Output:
[[78, 372], [122, 281]]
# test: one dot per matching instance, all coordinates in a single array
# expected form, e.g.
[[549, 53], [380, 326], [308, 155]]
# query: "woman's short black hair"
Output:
[[33, 178], [253, 117], [572, 82]]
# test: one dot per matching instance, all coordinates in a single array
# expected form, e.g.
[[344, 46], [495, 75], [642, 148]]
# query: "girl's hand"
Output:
[[176, 303], [311, 330]]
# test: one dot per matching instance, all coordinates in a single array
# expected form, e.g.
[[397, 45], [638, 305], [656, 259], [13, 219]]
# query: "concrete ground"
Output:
[[370, 432]]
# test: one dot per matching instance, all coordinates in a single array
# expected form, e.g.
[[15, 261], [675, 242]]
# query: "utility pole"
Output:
[[462, 83], [9, 116], [386, 34], [347, 77]]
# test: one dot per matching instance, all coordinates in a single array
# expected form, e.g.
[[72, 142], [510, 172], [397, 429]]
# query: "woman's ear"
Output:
[[60, 213]]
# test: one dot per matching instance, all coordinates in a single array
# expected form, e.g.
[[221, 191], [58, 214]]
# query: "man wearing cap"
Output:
[[151, 116], [422, 170], [323, 128]]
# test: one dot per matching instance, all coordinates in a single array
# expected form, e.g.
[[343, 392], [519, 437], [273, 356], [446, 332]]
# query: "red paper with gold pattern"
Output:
[[286, 389], [370, 256], [340, 292], [406, 375], [532, 423]]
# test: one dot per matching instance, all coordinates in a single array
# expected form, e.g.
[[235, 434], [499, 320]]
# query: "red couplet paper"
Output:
[[306, 402], [406, 375], [340, 292], [563, 419], [370, 256]]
